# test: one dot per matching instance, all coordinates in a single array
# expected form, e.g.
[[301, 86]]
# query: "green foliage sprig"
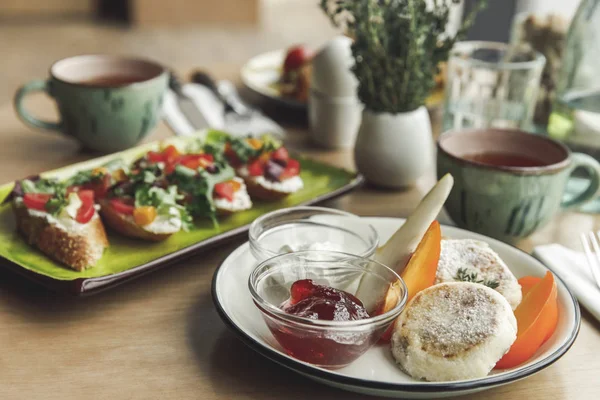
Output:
[[398, 46]]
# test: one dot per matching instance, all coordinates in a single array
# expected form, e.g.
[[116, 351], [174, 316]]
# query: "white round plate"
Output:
[[261, 75], [375, 373], [262, 72]]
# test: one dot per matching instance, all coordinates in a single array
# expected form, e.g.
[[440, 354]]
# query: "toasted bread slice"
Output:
[[126, 226], [453, 331], [260, 188], [477, 259], [79, 246]]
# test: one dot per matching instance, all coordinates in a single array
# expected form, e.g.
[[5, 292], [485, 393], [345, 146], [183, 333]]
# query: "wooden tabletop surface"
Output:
[[160, 337]]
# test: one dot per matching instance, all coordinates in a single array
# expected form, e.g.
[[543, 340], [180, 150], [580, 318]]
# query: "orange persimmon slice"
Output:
[[537, 316], [527, 283], [421, 269]]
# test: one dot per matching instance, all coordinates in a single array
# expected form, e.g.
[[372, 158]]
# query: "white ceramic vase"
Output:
[[394, 150]]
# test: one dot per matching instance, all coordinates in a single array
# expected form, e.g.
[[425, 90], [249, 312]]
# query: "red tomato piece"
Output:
[[292, 169], [122, 207], [100, 188], [255, 168], [36, 201], [169, 168], [86, 197], [224, 190], [232, 157], [171, 154], [85, 213], [280, 154], [296, 57], [207, 157], [191, 163], [155, 157]]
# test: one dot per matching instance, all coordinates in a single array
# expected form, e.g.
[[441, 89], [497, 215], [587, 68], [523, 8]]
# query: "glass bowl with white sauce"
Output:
[[311, 228]]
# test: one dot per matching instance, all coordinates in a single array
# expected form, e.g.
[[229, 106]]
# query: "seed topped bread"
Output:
[[78, 249]]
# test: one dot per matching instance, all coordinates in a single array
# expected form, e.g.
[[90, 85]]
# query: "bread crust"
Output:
[[258, 191], [77, 250], [126, 227]]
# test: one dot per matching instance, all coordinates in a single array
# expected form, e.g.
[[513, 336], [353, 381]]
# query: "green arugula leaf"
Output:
[[243, 150], [83, 177], [56, 204], [164, 200], [270, 143], [200, 187]]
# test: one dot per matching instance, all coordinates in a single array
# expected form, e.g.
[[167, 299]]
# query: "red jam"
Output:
[[313, 301], [323, 347]]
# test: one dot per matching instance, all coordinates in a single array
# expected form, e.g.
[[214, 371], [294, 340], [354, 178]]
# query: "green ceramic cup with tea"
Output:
[[107, 103], [509, 183]]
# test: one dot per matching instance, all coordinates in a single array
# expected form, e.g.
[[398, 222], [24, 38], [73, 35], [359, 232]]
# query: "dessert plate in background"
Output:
[[262, 74]]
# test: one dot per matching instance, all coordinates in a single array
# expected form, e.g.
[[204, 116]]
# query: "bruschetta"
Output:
[[59, 221], [206, 181], [145, 205], [265, 166]]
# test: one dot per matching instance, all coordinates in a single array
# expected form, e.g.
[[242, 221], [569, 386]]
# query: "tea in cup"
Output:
[[108, 103], [509, 183]]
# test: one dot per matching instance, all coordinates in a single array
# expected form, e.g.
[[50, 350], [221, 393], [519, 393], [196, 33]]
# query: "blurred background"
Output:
[[188, 34]]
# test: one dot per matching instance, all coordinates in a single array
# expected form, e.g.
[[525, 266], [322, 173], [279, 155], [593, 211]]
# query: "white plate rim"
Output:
[[416, 387], [260, 89]]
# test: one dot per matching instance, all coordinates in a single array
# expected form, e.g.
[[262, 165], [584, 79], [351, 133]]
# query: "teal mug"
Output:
[[108, 103], [509, 183]]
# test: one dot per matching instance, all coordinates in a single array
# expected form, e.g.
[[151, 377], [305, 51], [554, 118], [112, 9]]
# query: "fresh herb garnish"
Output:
[[164, 200], [464, 276], [48, 186], [56, 204], [270, 143], [243, 150], [199, 187], [83, 177], [57, 189]]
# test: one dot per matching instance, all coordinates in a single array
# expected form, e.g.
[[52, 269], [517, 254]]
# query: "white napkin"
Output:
[[572, 267], [205, 100]]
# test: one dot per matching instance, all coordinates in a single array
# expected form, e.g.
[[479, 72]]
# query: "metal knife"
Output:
[[187, 106], [240, 118]]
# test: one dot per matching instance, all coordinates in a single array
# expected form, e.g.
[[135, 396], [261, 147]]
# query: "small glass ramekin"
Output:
[[328, 344], [311, 228]]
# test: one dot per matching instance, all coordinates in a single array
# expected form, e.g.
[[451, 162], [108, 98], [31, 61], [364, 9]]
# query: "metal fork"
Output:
[[592, 253]]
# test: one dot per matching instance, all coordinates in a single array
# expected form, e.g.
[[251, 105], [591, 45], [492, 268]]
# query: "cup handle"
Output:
[[593, 190], [30, 87]]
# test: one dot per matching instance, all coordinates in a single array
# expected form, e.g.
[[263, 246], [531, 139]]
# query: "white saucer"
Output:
[[375, 373]]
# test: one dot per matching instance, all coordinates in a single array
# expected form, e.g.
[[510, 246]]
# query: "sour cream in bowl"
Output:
[[311, 228]]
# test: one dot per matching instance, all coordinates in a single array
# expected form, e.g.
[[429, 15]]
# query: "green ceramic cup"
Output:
[[108, 103], [501, 198]]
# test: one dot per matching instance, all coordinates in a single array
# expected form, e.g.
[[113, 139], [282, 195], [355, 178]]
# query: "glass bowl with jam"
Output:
[[324, 307], [311, 228]]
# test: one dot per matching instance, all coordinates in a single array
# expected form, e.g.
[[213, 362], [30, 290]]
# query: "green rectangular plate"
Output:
[[126, 259]]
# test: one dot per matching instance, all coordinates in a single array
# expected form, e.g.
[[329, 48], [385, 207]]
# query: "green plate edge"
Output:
[[125, 254]]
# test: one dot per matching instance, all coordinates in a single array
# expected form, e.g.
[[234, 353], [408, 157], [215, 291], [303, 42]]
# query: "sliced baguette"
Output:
[[258, 191], [78, 250], [126, 226]]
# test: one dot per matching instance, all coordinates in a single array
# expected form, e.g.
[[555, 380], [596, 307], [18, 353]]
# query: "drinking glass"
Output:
[[491, 85]]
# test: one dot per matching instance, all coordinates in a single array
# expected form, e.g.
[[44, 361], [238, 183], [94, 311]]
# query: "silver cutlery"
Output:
[[188, 108], [591, 247], [240, 118]]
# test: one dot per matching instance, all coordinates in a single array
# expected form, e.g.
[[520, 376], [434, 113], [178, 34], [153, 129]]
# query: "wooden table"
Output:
[[160, 337]]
